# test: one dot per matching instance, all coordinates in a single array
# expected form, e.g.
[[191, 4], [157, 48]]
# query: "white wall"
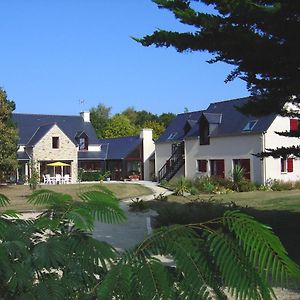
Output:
[[148, 149], [272, 141], [227, 148], [163, 151]]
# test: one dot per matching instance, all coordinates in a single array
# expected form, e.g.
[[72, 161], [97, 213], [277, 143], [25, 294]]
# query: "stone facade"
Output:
[[66, 151]]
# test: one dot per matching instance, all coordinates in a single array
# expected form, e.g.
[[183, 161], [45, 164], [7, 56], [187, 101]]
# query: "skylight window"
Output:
[[172, 135], [250, 125]]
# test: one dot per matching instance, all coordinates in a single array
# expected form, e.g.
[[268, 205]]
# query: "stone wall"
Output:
[[66, 151]]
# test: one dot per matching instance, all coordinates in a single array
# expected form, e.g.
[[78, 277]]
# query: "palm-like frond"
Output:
[[204, 263], [262, 247], [103, 206], [4, 201], [49, 198]]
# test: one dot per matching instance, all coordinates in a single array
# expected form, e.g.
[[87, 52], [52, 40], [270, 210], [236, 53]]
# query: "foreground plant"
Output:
[[55, 257]]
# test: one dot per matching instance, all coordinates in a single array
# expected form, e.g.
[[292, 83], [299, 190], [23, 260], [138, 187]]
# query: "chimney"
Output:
[[148, 150], [86, 116]]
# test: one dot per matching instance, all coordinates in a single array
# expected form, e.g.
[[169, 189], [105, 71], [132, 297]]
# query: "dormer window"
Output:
[[250, 125], [83, 143], [82, 140], [55, 142]]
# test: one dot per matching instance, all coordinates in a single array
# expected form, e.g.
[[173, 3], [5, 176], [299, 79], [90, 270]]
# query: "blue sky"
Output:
[[55, 52]]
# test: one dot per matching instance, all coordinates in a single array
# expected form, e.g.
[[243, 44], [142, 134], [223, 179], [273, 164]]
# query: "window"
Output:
[[245, 164], [250, 125], [287, 165], [202, 165], [217, 168], [293, 125], [83, 144], [172, 135], [55, 142]]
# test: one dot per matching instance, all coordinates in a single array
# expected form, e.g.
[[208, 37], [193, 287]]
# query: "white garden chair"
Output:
[[58, 179], [67, 178], [47, 179]]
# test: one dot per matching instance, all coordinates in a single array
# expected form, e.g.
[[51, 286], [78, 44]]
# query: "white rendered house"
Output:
[[212, 141]]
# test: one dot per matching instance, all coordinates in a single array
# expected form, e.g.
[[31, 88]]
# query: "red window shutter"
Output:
[[293, 124], [290, 164]]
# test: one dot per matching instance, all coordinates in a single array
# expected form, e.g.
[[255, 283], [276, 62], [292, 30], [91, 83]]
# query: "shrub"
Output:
[[94, 175], [161, 197], [205, 184], [194, 190], [279, 185], [247, 186], [137, 204], [165, 183], [182, 186]]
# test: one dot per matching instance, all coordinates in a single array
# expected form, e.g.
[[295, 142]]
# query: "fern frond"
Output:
[[82, 218], [4, 201], [49, 198], [262, 247], [49, 288], [235, 270], [117, 283], [103, 207], [49, 253]]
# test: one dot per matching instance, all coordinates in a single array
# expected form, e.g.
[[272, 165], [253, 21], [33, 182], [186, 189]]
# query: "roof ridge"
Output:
[[230, 100], [52, 115], [192, 112]]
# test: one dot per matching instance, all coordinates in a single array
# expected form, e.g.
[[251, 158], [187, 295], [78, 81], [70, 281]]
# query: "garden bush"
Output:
[[279, 185], [93, 175]]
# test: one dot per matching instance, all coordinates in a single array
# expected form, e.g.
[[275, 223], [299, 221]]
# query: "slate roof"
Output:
[[233, 122], [175, 130], [229, 120], [93, 155], [119, 148], [22, 155], [41, 131], [36, 124]]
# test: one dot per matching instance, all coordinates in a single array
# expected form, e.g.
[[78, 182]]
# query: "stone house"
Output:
[[44, 139]]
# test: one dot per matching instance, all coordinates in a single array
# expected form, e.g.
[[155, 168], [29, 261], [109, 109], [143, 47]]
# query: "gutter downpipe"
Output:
[[264, 164]]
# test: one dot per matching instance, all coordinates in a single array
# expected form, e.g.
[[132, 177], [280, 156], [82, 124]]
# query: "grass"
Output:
[[263, 200], [279, 210], [18, 193]]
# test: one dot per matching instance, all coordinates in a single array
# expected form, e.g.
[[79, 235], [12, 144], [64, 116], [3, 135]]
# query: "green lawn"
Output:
[[279, 210], [262, 200], [18, 193]]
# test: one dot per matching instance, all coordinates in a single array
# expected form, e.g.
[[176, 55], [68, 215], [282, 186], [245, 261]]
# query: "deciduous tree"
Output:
[[118, 126], [8, 137], [99, 118]]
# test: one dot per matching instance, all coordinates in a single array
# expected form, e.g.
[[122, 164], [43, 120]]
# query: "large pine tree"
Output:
[[260, 38], [8, 137]]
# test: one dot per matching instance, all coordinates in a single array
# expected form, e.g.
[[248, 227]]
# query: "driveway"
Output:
[[128, 234]]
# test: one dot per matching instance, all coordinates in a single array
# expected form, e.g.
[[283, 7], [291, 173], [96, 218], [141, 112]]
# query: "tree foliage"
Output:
[[260, 38], [55, 257], [99, 118], [129, 122], [119, 125], [8, 137]]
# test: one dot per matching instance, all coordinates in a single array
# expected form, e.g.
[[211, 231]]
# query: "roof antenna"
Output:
[[81, 103]]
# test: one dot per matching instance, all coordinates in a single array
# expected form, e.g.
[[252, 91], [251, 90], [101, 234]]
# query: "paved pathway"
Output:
[[128, 234]]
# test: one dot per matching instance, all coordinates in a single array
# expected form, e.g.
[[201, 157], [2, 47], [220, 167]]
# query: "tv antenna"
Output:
[[81, 104]]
